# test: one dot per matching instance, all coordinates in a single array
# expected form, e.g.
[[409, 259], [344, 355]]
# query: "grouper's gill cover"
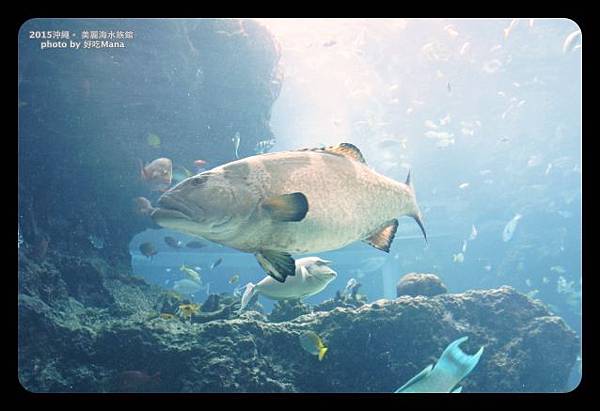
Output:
[[277, 204]]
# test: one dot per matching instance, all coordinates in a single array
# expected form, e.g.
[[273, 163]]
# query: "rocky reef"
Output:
[[195, 83], [84, 331]]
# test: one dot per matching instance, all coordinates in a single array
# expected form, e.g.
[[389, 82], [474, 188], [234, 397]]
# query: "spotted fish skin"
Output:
[[347, 201]]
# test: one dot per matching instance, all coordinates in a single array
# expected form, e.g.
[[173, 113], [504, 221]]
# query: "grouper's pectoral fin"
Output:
[[286, 207], [383, 238], [277, 264]]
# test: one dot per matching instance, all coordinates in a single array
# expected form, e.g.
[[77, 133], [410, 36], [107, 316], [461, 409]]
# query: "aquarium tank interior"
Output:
[[279, 205]]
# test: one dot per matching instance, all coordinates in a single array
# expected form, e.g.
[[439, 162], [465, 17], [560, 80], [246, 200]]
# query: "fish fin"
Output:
[[423, 374], [457, 390], [248, 294], [322, 351], [344, 149], [407, 182], [382, 239], [287, 207], [417, 213], [277, 264], [457, 363]]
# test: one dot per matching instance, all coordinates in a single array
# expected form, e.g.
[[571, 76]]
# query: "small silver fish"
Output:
[[349, 286], [473, 235], [216, 263], [570, 41], [511, 226], [236, 143]]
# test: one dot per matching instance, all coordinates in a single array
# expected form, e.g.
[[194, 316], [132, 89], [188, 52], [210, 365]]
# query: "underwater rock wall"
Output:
[[84, 119], [68, 346]]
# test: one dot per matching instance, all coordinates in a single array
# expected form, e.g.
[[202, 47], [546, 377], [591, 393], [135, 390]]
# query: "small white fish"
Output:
[[528, 282], [569, 44], [510, 27], [168, 270], [520, 103], [430, 124], [511, 226], [236, 143], [488, 267], [465, 48], [207, 288], [545, 280], [458, 258], [451, 30], [558, 269], [351, 284], [463, 186], [534, 160], [312, 275], [464, 246], [473, 233]]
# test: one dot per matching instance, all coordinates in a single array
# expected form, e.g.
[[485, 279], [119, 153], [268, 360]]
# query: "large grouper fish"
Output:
[[302, 201]]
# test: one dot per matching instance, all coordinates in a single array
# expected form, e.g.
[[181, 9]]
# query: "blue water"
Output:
[[488, 124]]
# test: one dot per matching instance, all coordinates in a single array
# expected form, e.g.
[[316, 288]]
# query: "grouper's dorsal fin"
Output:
[[382, 239], [344, 149]]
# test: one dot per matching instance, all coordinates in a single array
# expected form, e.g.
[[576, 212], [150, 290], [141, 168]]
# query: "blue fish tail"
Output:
[[456, 362]]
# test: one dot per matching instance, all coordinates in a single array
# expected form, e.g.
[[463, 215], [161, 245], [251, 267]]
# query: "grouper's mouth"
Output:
[[170, 208], [165, 214]]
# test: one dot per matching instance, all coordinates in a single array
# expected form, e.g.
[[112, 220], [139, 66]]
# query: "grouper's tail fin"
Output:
[[247, 296], [417, 215], [456, 362]]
